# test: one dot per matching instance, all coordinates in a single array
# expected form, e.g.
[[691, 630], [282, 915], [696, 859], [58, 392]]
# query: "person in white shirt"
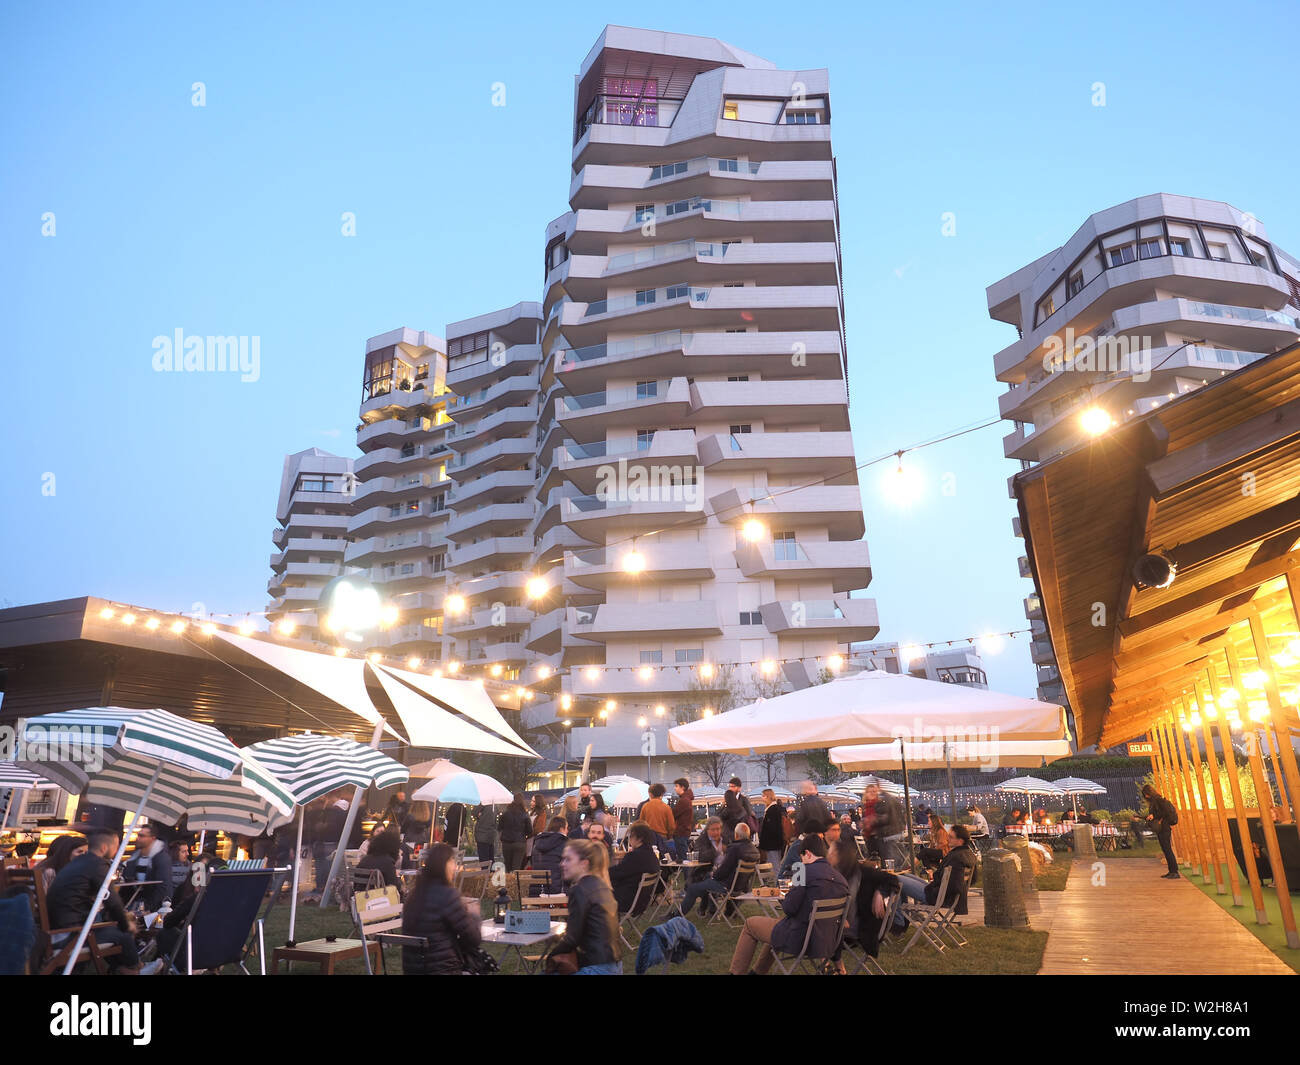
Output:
[[979, 825]]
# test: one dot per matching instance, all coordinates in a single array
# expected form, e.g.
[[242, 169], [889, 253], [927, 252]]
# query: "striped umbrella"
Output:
[[476, 789], [857, 785], [1029, 786], [154, 761], [1076, 786], [312, 765], [625, 794], [16, 779]]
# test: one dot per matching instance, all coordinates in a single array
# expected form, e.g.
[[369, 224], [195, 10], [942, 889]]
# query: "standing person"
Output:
[[327, 828], [548, 847], [540, 812], [589, 803], [515, 827], [397, 812], [683, 817], [485, 834], [592, 927], [150, 861], [659, 816], [810, 808], [889, 828], [570, 813], [735, 810], [74, 891], [454, 825], [436, 912], [1162, 818], [771, 836]]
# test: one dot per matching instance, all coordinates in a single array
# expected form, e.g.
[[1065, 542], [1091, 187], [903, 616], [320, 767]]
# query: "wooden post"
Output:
[[1216, 791], [1278, 715], [1170, 791], [1209, 822], [1238, 803], [1189, 796]]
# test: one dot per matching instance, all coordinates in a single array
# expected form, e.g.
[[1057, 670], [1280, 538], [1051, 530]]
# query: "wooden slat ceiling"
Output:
[[1170, 481]]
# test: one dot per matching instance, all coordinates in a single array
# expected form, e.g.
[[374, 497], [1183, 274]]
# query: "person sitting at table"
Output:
[[1015, 817], [436, 912], [940, 843], [1040, 817], [625, 877], [979, 825], [60, 852], [548, 846], [150, 861], [1067, 818], [595, 831], [795, 849], [183, 900], [73, 894], [709, 848], [820, 881], [591, 930], [379, 829], [1086, 816], [741, 849], [382, 854], [961, 858]]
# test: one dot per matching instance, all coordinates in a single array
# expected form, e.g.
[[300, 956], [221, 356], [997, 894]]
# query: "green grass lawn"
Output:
[[1273, 934], [992, 951]]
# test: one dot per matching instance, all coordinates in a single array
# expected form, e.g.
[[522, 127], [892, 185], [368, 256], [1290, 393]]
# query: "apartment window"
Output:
[[1046, 308], [308, 483], [1180, 246], [464, 345], [785, 547], [408, 450], [1259, 260], [664, 170], [652, 658], [685, 656], [730, 109], [1150, 249], [739, 377], [1120, 256], [736, 430], [676, 292], [645, 212], [408, 567], [647, 389], [438, 563], [644, 438], [751, 617], [734, 284], [803, 118], [644, 296], [1219, 253], [678, 207], [727, 166], [394, 510], [1074, 286]]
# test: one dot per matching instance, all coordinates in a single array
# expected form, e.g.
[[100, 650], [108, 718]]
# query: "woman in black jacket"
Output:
[[382, 855], [771, 834], [516, 826], [436, 912], [592, 928]]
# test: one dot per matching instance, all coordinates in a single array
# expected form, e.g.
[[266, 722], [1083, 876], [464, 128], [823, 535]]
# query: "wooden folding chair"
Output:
[[56, 943], [645, 890], [377, 914], [765, 873], [741, 881], [824, 911]]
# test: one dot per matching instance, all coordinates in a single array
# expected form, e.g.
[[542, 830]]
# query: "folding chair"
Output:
[[740, 883], [645, 890], [946, 917], [824, 911], [354, 880], [377, 913], [863, 960], [520, 883], [765, 873], [224, 914], [926, 919]]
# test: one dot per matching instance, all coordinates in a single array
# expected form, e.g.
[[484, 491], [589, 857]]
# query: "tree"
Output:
[[770, 762], [823, 770], [713, 766]]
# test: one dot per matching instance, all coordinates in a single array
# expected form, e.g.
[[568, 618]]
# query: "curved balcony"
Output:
[[589, 417], [465, 524], [493, 488], [845, 564], [773, 403], [363, 551], [393, 432], [828, 455], [502, 551], [302, 526], [846, 620], [600, 568], [399, 401], [509, 420], [627, 621], [505, 390], [390, 461], [771, 221], [586, 465], [593, 517], [513, 360], [632, 683], [596, 185], [301, 548], [381, 520], [836, 508], [383, 490], [489, 619], [507, 453]]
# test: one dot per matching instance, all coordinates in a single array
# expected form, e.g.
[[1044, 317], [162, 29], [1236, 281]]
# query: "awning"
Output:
[[428, 724]]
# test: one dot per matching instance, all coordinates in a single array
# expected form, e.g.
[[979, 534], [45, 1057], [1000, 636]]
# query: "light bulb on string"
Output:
[[634, 561], [287, 626], [990, 644], [537, 587], [902, 485], [753, 530]]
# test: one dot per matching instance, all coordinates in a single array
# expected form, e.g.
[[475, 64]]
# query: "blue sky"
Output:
[[225, 220]]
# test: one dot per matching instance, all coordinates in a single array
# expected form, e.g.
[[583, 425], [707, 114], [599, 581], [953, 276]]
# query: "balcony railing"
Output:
[[1245, 314], [649, 344], [645, 392], [700, 164], [714, 208], [626, 111]]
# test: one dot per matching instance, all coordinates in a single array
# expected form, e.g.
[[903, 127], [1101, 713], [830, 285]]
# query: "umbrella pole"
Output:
[[952, 792], [8, 806], [433, 821], [907, 807], [108, 877], [337, 865], [297, 863]]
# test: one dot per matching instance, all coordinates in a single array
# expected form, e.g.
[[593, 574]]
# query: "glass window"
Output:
[[727, 166], [736, 429], [1180, 246], [1075, 285], [802, 118], [651, 658], [676, 292], [688, 655], [751, 617], [1120, 256], [1150, 249], [645, 211], [730, 109], [644, 438], [644, 296], [646, 390]]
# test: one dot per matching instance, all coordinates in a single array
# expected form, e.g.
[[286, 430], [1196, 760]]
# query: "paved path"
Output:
[[1137, 923]]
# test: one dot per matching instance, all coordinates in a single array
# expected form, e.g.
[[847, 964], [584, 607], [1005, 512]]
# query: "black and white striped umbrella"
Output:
[[14, 779]]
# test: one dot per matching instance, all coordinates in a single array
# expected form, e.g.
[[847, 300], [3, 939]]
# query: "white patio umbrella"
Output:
[[17, 779], [868, 707], [153, 760], [625, 794], [937, 754], [856, 785], [1076, 786], [1028, 786], [311, 765], [477, 789]]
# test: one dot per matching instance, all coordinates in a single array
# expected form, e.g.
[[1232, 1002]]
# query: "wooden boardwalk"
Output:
[[1137, 923]]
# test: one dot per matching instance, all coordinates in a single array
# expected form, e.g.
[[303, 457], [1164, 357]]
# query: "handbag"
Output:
[[479, 962], [563, 963]]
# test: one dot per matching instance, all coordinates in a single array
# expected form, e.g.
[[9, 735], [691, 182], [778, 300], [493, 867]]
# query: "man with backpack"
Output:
[[1163, 816]]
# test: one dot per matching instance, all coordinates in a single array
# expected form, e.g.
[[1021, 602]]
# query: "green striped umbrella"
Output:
[[312, 765], [157, 762]]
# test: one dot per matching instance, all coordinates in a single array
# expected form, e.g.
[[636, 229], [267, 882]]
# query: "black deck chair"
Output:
[[221, 920]]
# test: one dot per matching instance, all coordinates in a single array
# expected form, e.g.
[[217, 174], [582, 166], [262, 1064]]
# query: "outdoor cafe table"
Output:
[[136, 887], [326, 955], [496, 934]]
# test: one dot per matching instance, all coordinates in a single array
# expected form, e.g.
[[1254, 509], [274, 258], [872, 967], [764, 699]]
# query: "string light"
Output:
[[835, 663], [544, 672], [152, 624], [591, 673], [1094, 421], [246, 627], [373, 656], [537, 587], [453, 666], [767, 667], [706, 670], [496, 669], [634, 561], [107, 613], [208, 629], [660, 710], [287, 626], [454, 604], [413, 662], [387, 615], [645, 673], [566, 702], [753, 530], [128, 619], [339, 652], [178, 626]]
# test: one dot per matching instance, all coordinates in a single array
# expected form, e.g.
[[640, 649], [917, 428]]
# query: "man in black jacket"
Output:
[[963, 862], [735, 809], [719, 882], [1162, 818], [810, 808], [548, 847], [625, 877], [73, 895]]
